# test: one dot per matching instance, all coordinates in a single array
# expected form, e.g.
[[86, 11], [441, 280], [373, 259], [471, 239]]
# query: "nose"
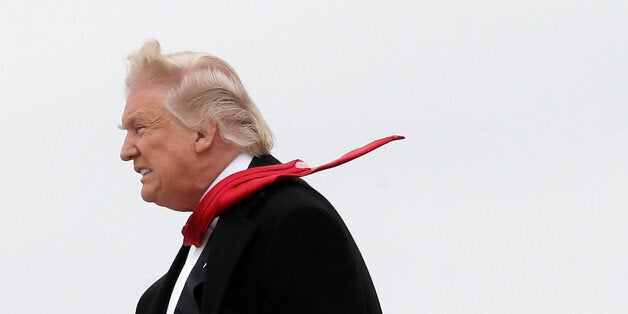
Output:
[[129, 151]]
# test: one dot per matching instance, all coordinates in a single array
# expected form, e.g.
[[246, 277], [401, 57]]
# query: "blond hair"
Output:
[[201, 87]]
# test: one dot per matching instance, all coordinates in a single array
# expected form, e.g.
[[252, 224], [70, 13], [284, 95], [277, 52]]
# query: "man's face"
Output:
[[162, 150]]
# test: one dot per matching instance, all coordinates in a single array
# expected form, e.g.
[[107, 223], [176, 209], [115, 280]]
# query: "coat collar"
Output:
[[264, 160]]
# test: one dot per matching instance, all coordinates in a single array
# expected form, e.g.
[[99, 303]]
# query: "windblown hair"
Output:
[[200, 87]]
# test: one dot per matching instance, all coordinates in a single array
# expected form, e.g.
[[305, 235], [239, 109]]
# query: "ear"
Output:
[[205, 135]]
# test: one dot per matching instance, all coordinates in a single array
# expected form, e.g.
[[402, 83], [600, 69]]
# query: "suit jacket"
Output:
[[284, 249]]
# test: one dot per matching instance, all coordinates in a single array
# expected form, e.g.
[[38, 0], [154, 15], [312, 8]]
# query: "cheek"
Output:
[[182, 149], [176, 159], [170, 156]]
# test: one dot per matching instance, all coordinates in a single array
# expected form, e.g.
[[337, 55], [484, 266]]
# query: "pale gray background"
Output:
[[508, 196]]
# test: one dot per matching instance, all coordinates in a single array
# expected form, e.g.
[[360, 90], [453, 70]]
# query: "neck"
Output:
[[214, 161]]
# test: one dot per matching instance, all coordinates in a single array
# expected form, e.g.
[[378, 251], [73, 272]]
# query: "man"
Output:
[[280, 249]]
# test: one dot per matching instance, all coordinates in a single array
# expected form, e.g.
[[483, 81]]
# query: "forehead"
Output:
[[143, 103]]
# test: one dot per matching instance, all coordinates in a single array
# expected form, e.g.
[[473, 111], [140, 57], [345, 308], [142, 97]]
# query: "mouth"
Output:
[[145, 171]]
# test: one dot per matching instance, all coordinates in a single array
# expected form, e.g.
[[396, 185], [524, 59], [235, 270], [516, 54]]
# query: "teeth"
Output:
[[144, 171]]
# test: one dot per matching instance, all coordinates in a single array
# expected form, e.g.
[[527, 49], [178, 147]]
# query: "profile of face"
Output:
[[161, 148]]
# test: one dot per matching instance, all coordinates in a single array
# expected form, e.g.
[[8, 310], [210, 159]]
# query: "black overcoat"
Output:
[[284, 249]]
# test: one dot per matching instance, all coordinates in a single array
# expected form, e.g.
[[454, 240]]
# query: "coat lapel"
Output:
[[156, 298], [229, 240]]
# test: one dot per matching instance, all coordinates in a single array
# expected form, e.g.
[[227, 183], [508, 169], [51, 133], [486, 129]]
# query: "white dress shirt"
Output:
[[241, 162]]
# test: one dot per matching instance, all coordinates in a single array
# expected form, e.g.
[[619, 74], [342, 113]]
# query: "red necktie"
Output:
[[234, 188]]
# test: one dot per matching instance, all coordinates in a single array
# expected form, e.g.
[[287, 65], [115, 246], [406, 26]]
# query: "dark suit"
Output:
[[285, 249]]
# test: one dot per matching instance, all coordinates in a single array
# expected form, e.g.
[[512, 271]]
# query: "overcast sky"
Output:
[[509, 195]]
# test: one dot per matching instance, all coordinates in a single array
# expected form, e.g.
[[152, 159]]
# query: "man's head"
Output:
[[187, 116]]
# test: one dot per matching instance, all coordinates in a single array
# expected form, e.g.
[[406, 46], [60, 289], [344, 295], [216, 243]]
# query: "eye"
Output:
[[139, 128]]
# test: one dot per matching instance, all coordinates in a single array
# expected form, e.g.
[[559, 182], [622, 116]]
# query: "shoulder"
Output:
[[287, 197]]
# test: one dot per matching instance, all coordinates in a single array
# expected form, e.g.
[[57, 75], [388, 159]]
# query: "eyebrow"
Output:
[[126, 122]]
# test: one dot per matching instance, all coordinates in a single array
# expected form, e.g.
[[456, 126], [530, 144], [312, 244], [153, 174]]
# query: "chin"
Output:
[[148, 196], [148, 200]]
